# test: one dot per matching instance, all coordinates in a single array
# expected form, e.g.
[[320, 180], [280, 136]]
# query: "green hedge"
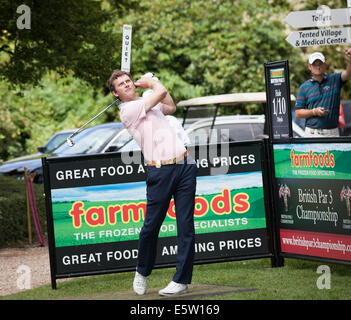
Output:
[[13, 212]]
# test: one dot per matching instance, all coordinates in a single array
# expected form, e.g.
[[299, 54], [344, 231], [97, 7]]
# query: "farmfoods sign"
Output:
[[98, 204], [314, 183]]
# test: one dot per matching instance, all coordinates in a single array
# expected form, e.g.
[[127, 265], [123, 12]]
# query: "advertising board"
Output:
[[96, 207], [314, 185]]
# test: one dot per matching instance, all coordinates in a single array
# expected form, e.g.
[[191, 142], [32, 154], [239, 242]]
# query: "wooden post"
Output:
[[29, 224]]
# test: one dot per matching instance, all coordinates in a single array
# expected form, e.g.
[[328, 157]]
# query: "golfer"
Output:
[[170, 172]]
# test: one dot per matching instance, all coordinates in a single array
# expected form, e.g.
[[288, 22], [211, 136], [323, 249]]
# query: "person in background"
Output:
[[318, 99]]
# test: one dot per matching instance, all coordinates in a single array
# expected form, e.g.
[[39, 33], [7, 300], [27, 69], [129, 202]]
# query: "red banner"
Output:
[[325, 245]]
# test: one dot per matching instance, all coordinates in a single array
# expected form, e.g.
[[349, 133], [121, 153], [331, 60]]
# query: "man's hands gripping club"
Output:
[[159, 93]]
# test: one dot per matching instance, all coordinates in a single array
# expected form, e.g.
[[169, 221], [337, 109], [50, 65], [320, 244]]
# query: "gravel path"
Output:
[[23, 268]]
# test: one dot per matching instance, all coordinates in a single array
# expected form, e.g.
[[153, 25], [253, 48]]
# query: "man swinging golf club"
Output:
[[170, 172]]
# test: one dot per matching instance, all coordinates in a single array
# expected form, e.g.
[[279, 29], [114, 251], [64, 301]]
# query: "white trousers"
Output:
[[311, 132]]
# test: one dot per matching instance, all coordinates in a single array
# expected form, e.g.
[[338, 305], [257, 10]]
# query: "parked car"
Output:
[[125, 142], [91, 140], [241, 127], [217, 129], [232, 128], [225, 129], [113, 137], [57, 139]]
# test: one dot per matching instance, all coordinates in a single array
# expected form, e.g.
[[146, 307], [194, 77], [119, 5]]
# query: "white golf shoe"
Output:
[[139, 284], [173, 289]]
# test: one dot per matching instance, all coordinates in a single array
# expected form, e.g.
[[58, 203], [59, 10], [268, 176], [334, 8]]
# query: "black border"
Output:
[[268, 112], [275, 200]]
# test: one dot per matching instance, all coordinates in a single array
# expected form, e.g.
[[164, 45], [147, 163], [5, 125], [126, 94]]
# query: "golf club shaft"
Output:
[[92, 119]]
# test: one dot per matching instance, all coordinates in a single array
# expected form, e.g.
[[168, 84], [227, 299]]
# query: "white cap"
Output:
[[316, 56]]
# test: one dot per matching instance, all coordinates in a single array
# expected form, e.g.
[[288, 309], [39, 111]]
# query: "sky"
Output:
[[137, 190]]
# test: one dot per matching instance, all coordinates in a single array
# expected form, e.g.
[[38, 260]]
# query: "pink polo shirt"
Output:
[[151, 131]]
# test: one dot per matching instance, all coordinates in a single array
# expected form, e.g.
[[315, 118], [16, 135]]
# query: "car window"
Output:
[[121, 140], [258, 129], [131, 145], [199, 135], [226, 133], [89, 141], [238, 131], [56, 141]]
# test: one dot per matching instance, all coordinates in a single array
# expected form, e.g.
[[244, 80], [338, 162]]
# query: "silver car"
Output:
[[217, 129]]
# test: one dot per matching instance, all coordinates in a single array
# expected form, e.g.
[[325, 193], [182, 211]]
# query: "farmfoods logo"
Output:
[[277, 75], [221, 204], [312, 159]]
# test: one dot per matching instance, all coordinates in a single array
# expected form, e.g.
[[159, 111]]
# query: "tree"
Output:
[[64, 36], [57, 103], [210, 47], [195, 47]]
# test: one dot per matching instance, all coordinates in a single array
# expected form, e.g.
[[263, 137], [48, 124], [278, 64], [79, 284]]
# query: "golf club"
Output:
[[70, 140]]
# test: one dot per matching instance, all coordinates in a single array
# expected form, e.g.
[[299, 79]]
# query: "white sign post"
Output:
[[320, 37], [319, 18], [322, 18], [126, 47]]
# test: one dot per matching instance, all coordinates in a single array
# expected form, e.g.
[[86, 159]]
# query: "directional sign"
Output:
[[320, 37], [323, 17], [126, 47]]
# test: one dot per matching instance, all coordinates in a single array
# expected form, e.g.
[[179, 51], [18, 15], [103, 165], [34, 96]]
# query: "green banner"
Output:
[[314, 192], [313, 161], [79, 221]]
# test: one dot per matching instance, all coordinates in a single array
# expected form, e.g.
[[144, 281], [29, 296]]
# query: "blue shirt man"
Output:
[[318, 99], [326, 94]]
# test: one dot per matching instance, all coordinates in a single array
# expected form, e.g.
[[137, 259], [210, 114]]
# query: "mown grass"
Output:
[[297, 280]]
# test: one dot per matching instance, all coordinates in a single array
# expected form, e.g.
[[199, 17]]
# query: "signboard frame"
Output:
[[323, 17], [278, 100], [267, 249], [320, 37], [313, 196]]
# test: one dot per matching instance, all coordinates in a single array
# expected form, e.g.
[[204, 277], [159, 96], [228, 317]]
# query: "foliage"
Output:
[[13, 133], [30, 119], [63, 35], [195, 47], [13, 208], [211, 47]]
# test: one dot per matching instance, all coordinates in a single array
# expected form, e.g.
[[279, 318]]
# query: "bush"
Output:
[[13, 212]]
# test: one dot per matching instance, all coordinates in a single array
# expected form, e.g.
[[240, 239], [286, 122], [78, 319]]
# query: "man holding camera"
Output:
[[318, 99]]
